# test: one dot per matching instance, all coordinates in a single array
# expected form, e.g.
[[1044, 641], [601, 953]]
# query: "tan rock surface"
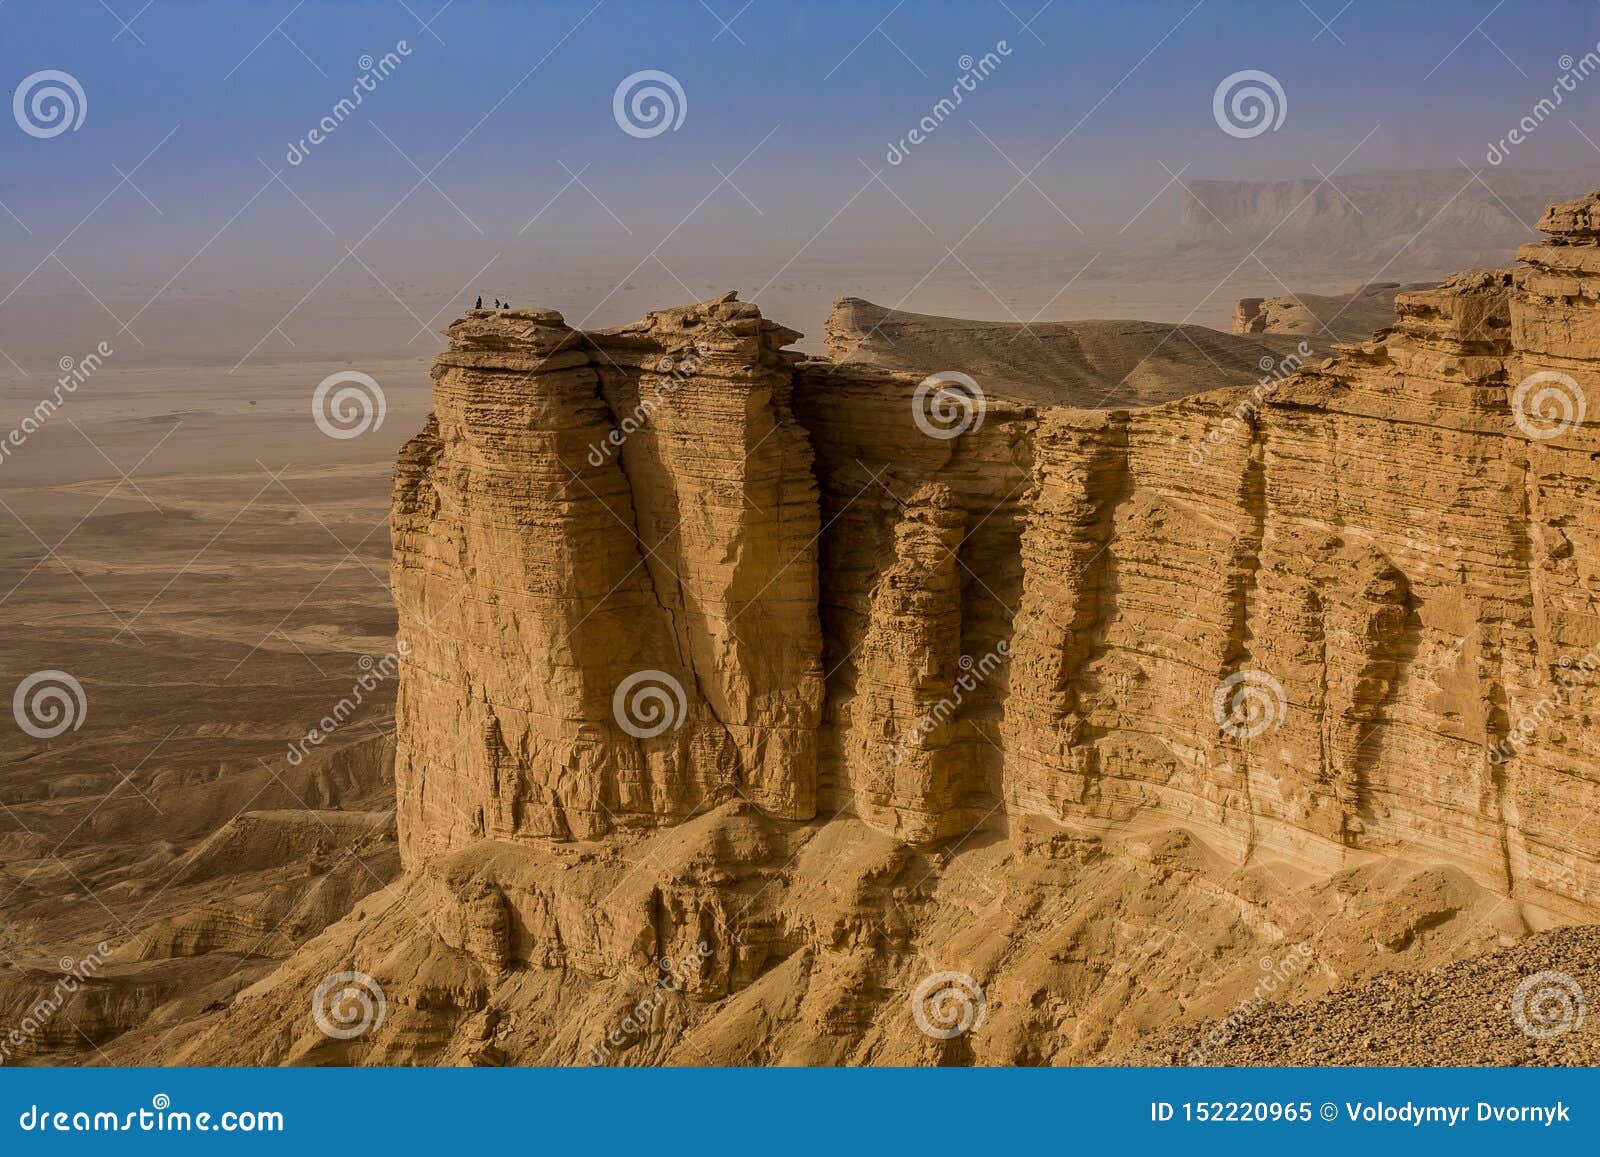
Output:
[[1465, 1013], [1090, 364], [537, 569], [1301, 662], [1348, 316]]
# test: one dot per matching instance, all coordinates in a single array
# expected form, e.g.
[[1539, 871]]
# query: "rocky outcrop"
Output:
[[1521, 1005], [1391, 635], [1087, 364], [1095, 702], [1336, 317], [605, 564]]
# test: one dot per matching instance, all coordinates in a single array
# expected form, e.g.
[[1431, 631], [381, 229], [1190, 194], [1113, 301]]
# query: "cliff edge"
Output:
[[802, 682]]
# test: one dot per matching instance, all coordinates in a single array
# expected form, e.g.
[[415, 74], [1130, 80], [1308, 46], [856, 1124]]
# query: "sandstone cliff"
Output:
[[1335, 317], [1094, 704], [539, 567]]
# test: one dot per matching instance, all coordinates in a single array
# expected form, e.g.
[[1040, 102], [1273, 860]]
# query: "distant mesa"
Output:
[[1339, 317], [1086, 364]]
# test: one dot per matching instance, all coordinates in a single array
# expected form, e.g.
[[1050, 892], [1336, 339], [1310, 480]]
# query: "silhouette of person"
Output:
[[480, 302]]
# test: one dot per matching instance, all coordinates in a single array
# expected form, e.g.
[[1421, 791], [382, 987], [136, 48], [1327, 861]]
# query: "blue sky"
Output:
[[199, 66], [516, 98]]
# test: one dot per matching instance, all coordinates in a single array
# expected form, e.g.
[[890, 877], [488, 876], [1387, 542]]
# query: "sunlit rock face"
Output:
[[632, 510], [814, 679]]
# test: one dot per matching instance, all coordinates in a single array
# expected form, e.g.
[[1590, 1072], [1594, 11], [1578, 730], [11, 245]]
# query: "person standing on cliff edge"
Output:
[[480, 302]]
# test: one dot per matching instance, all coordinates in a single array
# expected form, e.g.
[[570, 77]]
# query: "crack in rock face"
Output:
[[717, 655]]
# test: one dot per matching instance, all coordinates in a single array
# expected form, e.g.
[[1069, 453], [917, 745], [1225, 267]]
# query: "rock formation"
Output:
[[543, 557], [1093, 703], [1463, 1013], [1330, 317], [1087, 364]]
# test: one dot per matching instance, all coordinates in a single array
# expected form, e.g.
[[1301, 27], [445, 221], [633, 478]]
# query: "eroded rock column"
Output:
[[610, 622]]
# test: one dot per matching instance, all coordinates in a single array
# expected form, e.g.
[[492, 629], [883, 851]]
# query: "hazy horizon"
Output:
[[1080, 666], [489, 160]]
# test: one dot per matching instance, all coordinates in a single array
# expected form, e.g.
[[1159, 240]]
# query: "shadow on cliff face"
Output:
[[824, 679]]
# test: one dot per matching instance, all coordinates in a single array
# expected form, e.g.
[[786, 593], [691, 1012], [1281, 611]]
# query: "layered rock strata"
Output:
[[1095, 703], [605, 562]]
